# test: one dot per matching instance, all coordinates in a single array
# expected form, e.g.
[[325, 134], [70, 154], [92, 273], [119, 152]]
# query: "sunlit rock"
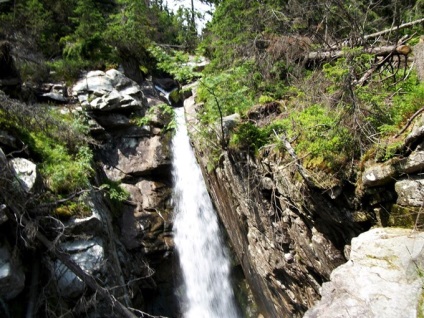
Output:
[[381, 279], [25, 172], [410, 192], [378, 175], [108, 91]]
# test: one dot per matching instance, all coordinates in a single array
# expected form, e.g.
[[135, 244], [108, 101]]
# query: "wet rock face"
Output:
[[381, 279], [139, 159]]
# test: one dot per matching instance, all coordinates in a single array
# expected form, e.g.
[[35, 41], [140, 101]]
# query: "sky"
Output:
[[199, 6]]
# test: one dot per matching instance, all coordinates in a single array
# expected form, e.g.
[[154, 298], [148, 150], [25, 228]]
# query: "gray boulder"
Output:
[[26, 173], [414, 162], [108, 91], [378, 175], [410, 192], [381, 279], [54, 92], [135, 156]]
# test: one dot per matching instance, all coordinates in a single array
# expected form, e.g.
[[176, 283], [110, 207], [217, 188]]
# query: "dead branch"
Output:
[[410, 121], [17, 213], [402, 26], [77, 270], [329, 55], [388, 56]]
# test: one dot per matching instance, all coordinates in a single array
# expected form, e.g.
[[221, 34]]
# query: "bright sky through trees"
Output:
[[198, 6]]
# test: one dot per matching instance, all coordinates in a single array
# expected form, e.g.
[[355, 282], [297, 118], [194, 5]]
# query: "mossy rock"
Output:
[[72, 209], [405, 216]]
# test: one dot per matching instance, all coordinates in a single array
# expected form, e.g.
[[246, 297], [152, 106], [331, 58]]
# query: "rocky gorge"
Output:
[[291, 230]]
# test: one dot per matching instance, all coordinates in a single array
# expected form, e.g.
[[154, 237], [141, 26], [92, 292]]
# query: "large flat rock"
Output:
[[383, 277]]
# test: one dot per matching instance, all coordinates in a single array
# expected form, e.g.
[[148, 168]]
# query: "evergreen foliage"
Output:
[[258, 52]]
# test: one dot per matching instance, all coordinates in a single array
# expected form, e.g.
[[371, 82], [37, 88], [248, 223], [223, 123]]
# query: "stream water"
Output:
[[205, 266]]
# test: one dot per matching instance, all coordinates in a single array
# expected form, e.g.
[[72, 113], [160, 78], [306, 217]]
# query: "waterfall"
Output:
[[203, 258]]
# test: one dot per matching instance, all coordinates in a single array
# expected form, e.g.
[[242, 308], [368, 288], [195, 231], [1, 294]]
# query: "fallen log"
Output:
[[335, 54]]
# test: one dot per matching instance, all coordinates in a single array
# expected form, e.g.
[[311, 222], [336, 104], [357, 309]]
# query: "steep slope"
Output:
[[288, 232]]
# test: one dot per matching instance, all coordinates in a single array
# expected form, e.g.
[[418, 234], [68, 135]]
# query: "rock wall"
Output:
[[126, 247], [289, 234], [138, 158]]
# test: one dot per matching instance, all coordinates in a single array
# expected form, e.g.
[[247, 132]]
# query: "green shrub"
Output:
[[162, 110], [263, 99], [317, 135], [248, 137], [57, 142], [64, 172], [114, 191], [68, 70], [409, 99], [72, 208]]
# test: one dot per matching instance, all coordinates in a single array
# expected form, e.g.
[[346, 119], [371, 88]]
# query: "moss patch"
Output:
[[405, 216]]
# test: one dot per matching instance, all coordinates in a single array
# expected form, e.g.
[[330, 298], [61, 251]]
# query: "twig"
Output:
[[410, 121], [402, 26]]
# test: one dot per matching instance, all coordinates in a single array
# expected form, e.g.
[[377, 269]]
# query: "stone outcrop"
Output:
[[138, 158], [289, 233], [108, 91], [383, 278]]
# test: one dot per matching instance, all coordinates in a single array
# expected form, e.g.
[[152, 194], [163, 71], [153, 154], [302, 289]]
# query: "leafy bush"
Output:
[[72, 208], [317, 135], [409, 99], [263, 99], [64, 172], [68, 69]]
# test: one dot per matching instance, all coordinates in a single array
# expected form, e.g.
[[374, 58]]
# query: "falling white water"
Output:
[[204, 262]]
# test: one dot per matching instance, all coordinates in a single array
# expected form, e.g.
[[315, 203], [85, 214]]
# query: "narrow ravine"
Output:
[[205, 266]]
